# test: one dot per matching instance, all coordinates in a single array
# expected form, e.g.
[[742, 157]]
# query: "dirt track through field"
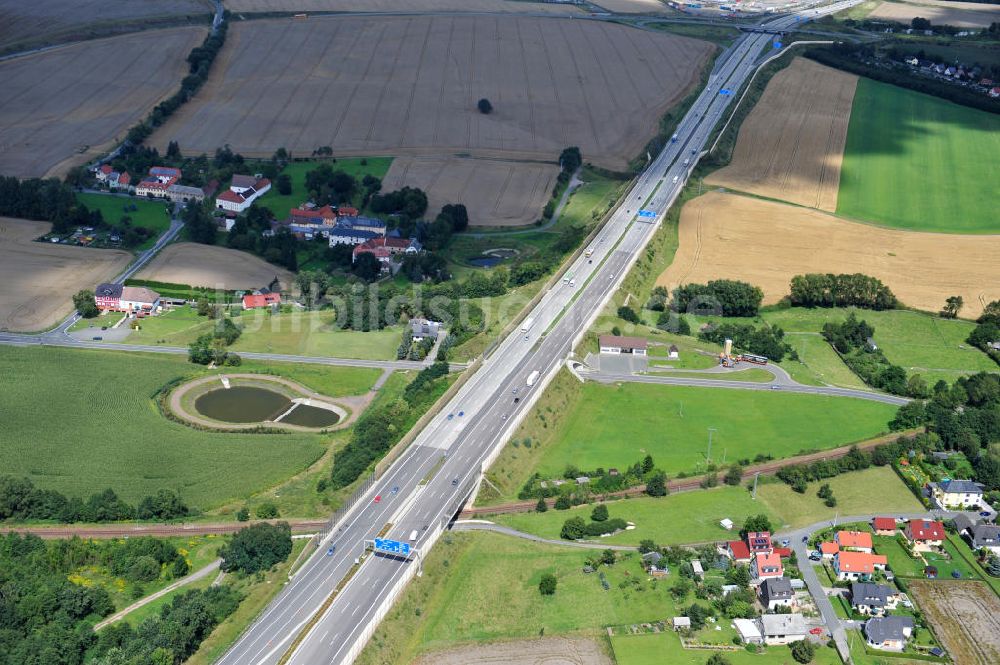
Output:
[[495, 192], [492, 6], [38, 280], [965, 617], [62, 106], [791, 146], [958, 14], [409, 86], [767, 243], [546, 651], [214, 267]]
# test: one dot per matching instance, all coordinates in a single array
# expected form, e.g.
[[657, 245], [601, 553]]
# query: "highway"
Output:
[[424, 489]]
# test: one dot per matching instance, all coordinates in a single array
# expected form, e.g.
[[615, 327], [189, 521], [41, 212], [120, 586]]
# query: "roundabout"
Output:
[[236, 402]]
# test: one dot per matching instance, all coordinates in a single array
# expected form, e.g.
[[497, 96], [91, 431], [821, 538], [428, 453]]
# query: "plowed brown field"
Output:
[[214, 267], [399, 6], [767, 243], [958, 14], [38, 280], [791, 146], [61, 106], [965, 616], [409, 85], [496, 193]]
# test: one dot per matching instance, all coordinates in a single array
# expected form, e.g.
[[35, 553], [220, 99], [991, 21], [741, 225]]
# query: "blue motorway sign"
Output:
[[725, 91], [392, 546], [649, 214], [777, 44]]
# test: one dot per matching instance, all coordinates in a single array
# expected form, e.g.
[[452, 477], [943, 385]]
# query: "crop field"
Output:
[[409, 85], [635, 6], [918, 162], [39, 279], [28, 24], [958, 14], [965, 616], [80, 421], [491, 6], [721, 236], [496, 193], [213, 267], [615, 426], [696, 514], [104, 87], [791, 145]]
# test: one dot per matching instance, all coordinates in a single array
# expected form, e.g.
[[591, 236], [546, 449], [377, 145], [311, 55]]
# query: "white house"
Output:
[[986, 536], [777, 592], [782, 628], [243, 191], [957, 494]]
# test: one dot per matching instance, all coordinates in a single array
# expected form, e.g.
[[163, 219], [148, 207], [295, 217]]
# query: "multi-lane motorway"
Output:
[[427, 485]]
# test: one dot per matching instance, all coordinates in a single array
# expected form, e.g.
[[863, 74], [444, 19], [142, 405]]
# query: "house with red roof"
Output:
[[738, 551], [759, 541], [857, 565], [103, 172], [242, 192], [829, 549], [386, 247], [254, 301], [766, 565], [884, 526], [924, 534], [859, 541]]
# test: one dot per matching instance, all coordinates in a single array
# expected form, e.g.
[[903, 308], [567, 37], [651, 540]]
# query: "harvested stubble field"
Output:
[[409, 85], [63, 106], [958, 14], [791, 146], [195, 264], [27, 24], [766, 243], [965, 616], [39, 279], [400, 6], [496, 193]]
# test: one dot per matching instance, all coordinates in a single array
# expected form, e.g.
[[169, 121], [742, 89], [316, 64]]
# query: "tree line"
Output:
[[850, 339], [20, 500], [46, 201], [725, 297], [843, 290], [765, 341], [987, 331]]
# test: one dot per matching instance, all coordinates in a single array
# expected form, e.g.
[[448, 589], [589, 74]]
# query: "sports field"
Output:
[[615, 426], [767, 243], [405, 85], [61, 107], [791, 145], [917, 162], [80, 421], [214, 267], [38, 280]]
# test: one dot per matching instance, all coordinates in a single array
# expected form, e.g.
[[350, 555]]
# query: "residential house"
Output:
[[884, 526], [254, 301], [384, 248], [738, 551], [616, 344], [986, 536], [339, 234], [748, 630], [242, 192], [857, 565], [776, 591], [132, 299], [103, 172], [888, 633], [183, 193], [759, 541], [421, 328], [924, 534], [165, 174], [152, 187], [858, 541], [766, 565], [829, 549], [655, 564], [782, 628], [957, 494], [873, 599]]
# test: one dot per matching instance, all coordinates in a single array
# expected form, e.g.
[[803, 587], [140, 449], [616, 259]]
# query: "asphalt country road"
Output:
[[429, 483]]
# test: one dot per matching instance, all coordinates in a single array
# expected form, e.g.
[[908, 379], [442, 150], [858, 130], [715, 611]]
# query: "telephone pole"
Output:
[[711, 430]]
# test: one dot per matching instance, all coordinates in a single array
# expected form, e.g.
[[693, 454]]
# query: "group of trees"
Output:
[[379, 428], [46, 618], [257, 547], [966, 417], [601, 481], [766, 341], [576, 528], [850, 339], [725, 297], [46, 201], [798, 476], [20, 500], [829, 290], [211, 347], [987, 331]]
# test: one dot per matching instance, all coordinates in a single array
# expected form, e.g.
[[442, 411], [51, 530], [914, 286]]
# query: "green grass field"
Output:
[[618, 425], [150, 214], [295, 333], [80, 421], [280, 204], [665, 647], [917, 162], [695, 515]]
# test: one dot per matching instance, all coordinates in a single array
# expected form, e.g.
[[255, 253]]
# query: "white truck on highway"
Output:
[[528, 322], [532, 378]]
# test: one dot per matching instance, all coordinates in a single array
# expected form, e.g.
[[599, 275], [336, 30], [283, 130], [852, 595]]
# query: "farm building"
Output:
[[615, 344], [243, 191], [118, 298], [384, 248], [254, 301], [183, 193]]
